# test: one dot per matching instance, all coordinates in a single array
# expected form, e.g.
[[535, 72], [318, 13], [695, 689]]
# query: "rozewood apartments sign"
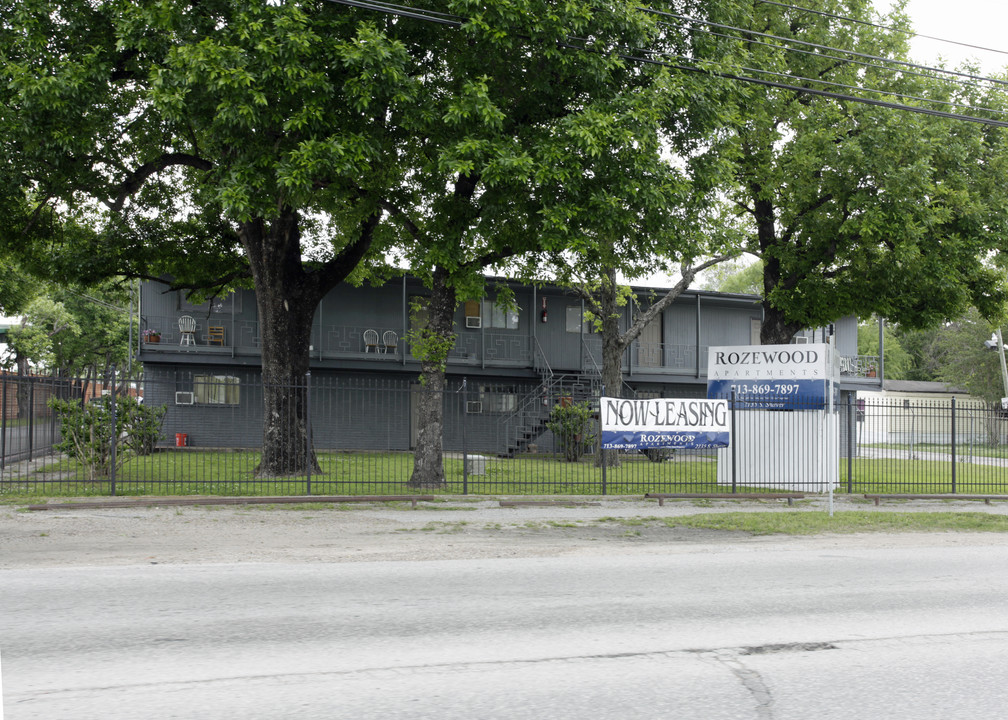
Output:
[[770, 375]]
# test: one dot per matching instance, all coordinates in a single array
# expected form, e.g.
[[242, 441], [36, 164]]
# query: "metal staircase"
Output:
[[522, 427]]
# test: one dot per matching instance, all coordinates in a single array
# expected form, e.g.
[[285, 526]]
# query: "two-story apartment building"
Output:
[[203, 360]]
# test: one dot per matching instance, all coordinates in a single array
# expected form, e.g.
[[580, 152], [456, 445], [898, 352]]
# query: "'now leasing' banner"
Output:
[[664, 423]]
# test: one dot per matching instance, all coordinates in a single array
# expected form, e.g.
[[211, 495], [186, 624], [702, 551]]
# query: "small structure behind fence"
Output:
[[362, 432]]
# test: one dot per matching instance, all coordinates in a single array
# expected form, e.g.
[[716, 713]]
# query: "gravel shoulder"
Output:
[[456, 528]]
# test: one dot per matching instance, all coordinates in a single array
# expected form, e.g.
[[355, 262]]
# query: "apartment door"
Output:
[[649, 344]]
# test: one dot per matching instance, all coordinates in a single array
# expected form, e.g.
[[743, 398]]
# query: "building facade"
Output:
[[510, 363]]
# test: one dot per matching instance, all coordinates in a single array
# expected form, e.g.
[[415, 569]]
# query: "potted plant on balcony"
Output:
[[151, 336]]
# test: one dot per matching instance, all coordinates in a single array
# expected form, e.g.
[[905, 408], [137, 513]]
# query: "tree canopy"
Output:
[[73, 331], [860, 209], [547, 132], [212, 143]]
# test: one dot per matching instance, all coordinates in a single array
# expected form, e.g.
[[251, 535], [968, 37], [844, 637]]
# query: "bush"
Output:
[[86, 431], [658, 455], [572, 425]]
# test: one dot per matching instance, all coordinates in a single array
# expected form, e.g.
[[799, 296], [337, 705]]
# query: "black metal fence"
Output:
[[202, 433]]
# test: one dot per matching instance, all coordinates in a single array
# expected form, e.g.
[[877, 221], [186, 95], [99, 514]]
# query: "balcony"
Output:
[[860, 367], [375, 343]]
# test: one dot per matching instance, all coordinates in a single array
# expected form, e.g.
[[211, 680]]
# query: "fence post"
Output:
[[31, 417], [953, 446], [602, 453], [308, 433], [3, 425], [851, 429], [734, 445], [465, 448], [115, 433]]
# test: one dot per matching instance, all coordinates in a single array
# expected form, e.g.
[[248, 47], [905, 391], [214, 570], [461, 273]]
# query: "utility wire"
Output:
[[403, 11], [821, 93], [456, 21], [882, 27], [805, 43], [842, 86], [848, 61]]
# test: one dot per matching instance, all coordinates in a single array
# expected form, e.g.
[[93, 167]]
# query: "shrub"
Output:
[[86, 431], [572, 425]]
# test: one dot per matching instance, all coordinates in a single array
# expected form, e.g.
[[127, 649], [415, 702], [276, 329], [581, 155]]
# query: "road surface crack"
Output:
[[751, 680]]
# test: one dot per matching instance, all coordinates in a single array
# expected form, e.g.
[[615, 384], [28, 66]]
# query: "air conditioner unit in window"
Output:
[[474, 406], [474, 322], [183, 398], [801, 340]]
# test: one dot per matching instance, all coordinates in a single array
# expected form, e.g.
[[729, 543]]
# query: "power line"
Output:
[[843, 86], [457, 21], [847, 61], [404, 11], [827, 93], [889, 28], [805, 43]]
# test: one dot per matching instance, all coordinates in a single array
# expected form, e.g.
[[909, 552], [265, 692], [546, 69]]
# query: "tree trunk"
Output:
[[428, 456], [776, 329], [23, 391], [286, 298], [613, 346]]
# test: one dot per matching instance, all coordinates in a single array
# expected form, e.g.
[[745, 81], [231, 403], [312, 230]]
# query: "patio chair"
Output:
[[391, 341], [370, 341], [187, 330], [215, 335]]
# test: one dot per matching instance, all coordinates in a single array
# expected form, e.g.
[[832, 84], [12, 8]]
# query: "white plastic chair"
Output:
[[370, 340], [391, 341], [187, 330]]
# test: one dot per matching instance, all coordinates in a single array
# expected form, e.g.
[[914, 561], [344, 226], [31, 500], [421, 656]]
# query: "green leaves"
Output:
[[857, 209]]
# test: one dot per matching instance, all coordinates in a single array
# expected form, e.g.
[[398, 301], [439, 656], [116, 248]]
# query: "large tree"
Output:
[[546, 101], [856, 208], [214, 143]]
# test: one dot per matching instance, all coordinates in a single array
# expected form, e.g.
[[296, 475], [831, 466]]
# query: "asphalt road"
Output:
[[766, 631]]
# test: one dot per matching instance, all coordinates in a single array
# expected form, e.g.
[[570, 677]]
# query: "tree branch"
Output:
[[336, 270], [139, 176], [215, 285], [400, 215], [790, 229], [688, 275], [744, 207]]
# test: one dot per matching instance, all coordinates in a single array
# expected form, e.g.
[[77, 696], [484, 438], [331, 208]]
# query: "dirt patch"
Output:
[[452, 529]]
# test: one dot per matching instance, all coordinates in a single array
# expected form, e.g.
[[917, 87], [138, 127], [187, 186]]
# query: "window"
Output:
[[219, 305], [498, 399], [215, 389], [495, 316], [574, 318]]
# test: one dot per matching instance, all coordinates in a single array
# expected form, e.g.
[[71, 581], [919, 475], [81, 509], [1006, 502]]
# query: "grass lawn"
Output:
[[814, 523], [232, 473], [962, 449]]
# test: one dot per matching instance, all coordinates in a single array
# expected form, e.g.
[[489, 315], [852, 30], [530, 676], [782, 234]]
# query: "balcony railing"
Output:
[[486, 348], [859, 366]]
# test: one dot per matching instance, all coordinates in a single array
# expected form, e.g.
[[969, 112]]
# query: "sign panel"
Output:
[[664, 423], [771, 376]]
